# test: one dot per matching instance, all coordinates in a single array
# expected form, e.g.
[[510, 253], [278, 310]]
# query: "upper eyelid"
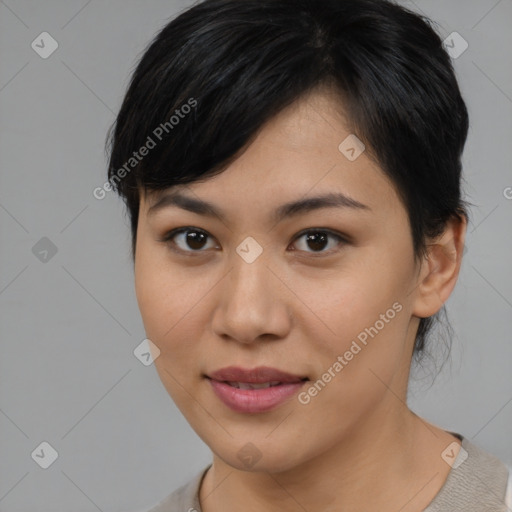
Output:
[[176, 231]]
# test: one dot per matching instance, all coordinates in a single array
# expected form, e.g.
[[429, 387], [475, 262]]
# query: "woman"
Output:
[[292, 174]]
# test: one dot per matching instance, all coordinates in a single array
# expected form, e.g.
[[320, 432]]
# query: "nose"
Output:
[[252, 303]]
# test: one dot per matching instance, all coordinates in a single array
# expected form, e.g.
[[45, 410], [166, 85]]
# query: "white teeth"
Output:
[[253, 385]]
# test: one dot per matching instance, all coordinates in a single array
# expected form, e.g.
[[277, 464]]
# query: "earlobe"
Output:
[[440, 268]]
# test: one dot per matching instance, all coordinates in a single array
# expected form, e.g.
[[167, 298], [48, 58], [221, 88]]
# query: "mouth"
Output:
[[252, 385], [254, 390], [255, 378]]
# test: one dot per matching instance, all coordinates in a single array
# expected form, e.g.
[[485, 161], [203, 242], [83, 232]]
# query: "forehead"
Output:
[[305, 150]]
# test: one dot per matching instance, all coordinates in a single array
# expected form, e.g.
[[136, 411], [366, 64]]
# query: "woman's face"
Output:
[[326, 293]]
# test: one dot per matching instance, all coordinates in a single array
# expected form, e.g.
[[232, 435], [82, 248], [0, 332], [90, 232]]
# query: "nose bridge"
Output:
[[249, 280], [249, 305], [249, 262]]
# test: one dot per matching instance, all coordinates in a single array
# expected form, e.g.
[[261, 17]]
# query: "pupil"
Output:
[[316, 241], [319, 241], [195, 240]]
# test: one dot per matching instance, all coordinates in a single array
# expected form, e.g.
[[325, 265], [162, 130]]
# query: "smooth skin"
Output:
[[356, 445]]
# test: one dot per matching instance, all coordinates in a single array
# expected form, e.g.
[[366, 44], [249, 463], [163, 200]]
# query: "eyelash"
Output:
[[168, 240]]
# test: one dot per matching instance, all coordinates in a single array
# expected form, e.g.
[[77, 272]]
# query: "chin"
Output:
[[259, 457]]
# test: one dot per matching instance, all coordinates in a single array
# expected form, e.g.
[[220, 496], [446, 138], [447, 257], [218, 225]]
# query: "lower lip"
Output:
[[254, 400]]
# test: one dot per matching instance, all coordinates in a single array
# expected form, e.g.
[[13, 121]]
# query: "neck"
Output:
[[381, 463]]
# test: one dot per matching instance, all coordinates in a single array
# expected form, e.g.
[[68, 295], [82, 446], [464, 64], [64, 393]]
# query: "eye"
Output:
[[187, 240], [318, 239]]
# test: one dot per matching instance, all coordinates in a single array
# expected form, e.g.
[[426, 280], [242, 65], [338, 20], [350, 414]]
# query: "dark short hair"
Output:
[[217, 72]]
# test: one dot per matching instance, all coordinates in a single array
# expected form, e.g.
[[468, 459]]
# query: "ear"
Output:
[[440, 268]]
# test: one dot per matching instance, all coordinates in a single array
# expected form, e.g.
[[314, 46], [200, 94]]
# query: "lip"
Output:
[[256, 375], [254, 400]]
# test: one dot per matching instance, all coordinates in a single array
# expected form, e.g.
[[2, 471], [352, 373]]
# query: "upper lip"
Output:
[[258, 375]]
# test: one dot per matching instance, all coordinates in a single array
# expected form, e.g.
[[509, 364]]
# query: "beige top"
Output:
[[477, 483]]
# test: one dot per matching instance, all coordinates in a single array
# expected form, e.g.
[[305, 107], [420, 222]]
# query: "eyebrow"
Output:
[[293, 208]]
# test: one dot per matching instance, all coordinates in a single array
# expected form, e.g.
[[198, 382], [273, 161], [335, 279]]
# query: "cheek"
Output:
[[149, 289], [155, 288], [166, 301], [160, 290], [357, 364], [364, 320], [163, 302], [171, 301], [348, 302]]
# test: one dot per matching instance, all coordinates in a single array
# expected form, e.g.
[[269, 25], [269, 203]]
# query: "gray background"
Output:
[[70, 324]]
